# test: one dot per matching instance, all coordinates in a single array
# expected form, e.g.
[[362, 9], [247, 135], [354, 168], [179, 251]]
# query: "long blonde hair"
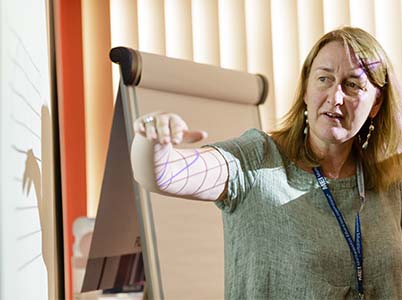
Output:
[[382, 161]]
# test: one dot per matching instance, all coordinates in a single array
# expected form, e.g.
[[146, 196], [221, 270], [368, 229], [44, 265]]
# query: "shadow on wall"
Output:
[[43, 183]]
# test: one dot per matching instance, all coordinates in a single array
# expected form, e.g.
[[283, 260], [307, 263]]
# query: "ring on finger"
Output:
[[148, 120]]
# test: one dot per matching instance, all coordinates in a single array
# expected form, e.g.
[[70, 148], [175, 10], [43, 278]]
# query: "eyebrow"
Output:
[[358, 76], [331, 70], [327, 69]]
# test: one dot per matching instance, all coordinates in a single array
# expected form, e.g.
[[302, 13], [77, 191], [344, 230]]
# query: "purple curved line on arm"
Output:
[[168, 183], [186, 178], [205, 175], [182, 170], [220, 169], [164, 168]]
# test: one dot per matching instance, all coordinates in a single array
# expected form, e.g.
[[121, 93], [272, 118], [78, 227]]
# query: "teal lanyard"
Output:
[[356, 245]]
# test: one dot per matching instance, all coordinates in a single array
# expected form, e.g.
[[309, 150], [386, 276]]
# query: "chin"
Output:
[[338, 140], [336, 136]]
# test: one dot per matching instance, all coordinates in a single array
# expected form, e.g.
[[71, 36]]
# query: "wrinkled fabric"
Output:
[[282, 240]]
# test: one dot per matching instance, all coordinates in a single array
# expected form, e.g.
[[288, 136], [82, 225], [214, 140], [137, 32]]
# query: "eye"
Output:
[[353, 88], [323, 79], [351, 84]]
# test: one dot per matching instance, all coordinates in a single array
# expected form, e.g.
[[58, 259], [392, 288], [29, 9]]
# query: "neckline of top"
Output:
[[305, 180]]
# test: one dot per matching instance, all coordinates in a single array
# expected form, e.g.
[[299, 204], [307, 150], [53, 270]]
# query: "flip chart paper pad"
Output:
[[189, 234], [185, 237]]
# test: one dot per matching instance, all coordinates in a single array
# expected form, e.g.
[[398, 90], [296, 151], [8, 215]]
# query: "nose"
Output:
[[337, 95]]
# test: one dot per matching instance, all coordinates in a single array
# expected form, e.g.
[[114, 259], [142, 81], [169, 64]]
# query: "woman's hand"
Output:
[[166, 128]]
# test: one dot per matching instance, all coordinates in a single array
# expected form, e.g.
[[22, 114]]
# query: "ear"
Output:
[[377, 104]]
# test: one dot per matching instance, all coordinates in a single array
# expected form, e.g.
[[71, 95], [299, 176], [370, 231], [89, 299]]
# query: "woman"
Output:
[[312, 210]]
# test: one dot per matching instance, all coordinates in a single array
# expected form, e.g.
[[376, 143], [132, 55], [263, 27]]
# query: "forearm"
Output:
[[191, 173], [194, 173]]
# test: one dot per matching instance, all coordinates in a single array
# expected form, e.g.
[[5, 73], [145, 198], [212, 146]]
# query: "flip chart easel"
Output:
[[180, 241]]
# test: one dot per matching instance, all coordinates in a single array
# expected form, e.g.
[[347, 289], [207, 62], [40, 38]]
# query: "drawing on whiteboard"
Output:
[[33, 143], [41, 180]]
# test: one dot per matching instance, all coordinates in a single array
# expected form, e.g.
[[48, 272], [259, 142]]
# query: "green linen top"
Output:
[[282, 240]]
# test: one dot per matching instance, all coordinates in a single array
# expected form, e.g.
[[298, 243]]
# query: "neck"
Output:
[[336, 159]]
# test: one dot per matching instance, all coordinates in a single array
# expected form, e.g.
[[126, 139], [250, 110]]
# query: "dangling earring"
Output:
[[371, 129], [305, 131]]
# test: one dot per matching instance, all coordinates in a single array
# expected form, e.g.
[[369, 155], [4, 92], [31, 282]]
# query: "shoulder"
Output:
[[252, 145], [252, 138], [249, 137]]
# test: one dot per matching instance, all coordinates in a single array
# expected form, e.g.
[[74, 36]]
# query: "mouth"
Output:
[[333, 115]]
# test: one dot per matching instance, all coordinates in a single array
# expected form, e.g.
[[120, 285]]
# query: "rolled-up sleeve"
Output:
[[243, 156]]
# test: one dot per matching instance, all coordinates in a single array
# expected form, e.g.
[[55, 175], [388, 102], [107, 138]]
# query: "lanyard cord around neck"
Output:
[[356, 246]]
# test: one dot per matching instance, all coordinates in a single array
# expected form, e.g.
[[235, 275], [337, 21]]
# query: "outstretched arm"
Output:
[[200, 174]]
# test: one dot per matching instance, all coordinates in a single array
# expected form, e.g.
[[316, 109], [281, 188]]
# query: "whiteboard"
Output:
[[27, 236]]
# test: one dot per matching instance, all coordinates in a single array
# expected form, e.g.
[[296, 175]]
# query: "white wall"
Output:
[[26, 163]]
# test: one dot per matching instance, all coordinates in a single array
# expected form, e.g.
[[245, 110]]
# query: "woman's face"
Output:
[[339, 96]]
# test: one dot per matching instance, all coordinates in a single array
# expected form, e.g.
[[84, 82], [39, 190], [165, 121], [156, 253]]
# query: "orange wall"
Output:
[[69, 66], [98, 93]]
